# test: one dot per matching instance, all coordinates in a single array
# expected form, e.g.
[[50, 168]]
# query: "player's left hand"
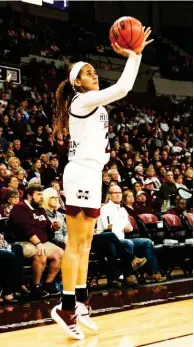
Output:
[[140, 48]]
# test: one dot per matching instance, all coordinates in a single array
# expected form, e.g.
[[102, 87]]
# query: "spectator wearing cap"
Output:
[[151, 196], [52, 172], [141, 205], [29, 225], [33, 180]]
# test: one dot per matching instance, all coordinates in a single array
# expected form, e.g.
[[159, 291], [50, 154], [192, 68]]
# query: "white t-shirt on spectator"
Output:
[[116, 215]]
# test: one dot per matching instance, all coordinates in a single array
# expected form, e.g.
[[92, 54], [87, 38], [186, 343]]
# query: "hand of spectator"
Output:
[[40, 249], [147, 32], [128, 228], [56, 225]]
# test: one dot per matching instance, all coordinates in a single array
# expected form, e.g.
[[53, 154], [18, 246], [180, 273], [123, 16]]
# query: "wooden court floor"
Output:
[[139, 327]]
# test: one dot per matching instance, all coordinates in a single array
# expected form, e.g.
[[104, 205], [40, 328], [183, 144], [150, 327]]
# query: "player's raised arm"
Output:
[[126, 81]]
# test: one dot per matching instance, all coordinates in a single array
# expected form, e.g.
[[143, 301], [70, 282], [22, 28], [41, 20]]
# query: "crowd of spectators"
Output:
[[22, 34]]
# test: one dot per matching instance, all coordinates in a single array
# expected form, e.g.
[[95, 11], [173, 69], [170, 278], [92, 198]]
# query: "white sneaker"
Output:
[[83, 313], [68, 321]]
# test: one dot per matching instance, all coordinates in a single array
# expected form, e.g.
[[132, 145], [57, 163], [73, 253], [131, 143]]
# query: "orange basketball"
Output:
[[127, 32]]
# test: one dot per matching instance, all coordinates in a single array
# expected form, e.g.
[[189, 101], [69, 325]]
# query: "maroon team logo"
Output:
[[83, 194]]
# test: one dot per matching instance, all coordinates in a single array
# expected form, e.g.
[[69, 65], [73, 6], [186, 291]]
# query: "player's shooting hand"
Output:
[[125, 52], [140, 48]]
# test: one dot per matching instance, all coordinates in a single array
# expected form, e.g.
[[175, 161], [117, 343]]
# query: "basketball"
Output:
[[128, 32]]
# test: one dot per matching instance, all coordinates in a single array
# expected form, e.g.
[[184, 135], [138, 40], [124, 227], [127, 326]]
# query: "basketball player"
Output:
[[81, 104]]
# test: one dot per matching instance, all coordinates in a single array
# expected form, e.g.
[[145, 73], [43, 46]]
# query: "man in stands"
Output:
[[168, 190], [142, 205], [52, 172], [180, 208], [29, 225], [116, 216]]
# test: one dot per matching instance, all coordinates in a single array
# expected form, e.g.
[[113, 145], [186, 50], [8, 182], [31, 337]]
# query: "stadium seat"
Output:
[[174, 228], [149, 227]]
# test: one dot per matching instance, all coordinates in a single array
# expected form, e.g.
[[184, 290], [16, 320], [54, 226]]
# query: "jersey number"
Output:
[[107, 149]]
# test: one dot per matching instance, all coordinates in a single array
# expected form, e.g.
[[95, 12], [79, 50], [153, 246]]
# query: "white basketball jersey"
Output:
[[89, 139]]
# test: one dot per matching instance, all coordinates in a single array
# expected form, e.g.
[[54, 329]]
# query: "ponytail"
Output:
[[64, 95]]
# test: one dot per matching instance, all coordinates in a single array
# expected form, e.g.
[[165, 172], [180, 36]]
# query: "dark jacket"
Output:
[[166, 190]]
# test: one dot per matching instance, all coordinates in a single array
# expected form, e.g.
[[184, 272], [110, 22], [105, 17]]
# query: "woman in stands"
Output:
[[81, 104]]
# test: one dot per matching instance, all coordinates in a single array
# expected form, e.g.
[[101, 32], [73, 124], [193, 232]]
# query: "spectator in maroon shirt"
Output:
[[29, 225], [180, 208], [151, 196], [141, 206]]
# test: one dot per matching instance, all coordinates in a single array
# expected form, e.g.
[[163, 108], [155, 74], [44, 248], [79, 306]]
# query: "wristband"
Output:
[[37, 244]]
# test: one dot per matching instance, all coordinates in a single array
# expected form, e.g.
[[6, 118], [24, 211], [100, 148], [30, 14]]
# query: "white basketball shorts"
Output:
[[82, 186]]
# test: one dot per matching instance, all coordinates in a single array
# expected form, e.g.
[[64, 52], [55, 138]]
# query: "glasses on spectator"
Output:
[[170, 175], [116, 193], [54, 197]]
